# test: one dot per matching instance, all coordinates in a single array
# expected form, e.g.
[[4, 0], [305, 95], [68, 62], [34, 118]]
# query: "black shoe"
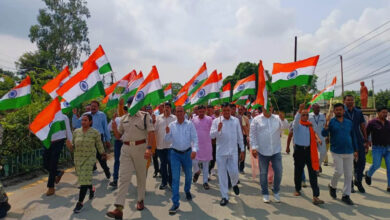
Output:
[[114, 183], [188, 196], [388, 189], [173, 209], [242, 172], [196, 176], [347, 200], [352, 188], [224, 202], [108, 174], [236, 190], [92, 192], [78, 207], [359, 186], [326, 164], [94, 167], [238, 182], [332, 192], [320, 169], [206, 186], [162, 187], [367, 179], [155, 174]]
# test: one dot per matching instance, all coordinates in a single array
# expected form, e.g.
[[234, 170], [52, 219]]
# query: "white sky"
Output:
[[179, 35]]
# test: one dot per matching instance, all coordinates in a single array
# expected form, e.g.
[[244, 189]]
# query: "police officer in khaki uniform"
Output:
[[137, 134]]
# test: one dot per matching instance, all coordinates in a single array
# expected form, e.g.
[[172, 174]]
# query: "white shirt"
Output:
[[67, 133], [161, 123], [318, 122], [117, 120], [265, 134], [229, 137]]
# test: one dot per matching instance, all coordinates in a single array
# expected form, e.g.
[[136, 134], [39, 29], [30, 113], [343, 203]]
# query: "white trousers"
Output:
[[227, 164], [322, 151], [343, 165], [205, 169]]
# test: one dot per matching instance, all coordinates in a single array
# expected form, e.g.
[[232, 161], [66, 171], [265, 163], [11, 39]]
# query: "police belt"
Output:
[[181, 152], [135, 142]]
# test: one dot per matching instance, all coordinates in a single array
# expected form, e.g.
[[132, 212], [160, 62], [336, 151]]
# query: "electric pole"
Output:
[[342, 76], [295, 87]]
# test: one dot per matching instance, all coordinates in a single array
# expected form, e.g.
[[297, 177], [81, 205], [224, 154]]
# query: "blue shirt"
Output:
[[99, 122], [301, 133], [342, 136], [182, 136], [357, 118]]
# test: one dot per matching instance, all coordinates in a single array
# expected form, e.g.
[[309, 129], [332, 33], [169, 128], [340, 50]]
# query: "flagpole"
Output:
[[295, 87]]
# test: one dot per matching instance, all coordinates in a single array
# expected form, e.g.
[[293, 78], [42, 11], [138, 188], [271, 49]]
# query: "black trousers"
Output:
[[103, 163], [50, 160], [302, 158], [155, 163], [212, 162], [241, 164], [83, 192]]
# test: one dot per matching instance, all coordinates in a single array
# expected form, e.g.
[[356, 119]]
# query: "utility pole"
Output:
[[295, 87], [373, 94], [342, 76]]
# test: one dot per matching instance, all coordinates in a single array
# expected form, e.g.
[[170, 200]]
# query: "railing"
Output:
[[29, 161]]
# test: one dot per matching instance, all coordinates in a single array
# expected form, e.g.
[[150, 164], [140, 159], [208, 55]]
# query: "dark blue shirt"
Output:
[[342, 136], [357, 118]]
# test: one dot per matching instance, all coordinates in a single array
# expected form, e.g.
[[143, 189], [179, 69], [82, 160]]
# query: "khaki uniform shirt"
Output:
[[132, 128]]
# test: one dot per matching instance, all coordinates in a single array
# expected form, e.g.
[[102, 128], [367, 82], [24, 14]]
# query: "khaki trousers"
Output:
[[131, 159]]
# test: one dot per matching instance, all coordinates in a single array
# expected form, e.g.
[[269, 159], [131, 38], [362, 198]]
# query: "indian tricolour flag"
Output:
[[120, 87], [53, 85], [168, 92], [325, 94], [208, 90], [133, 85], [19, 96], [83, 86], [108, 92], [242, 100], [215, 101], [198, 79], [262, 94], [293, 74], [48, 122], [246, 86], [183, 91], [149, 92], [100, 59]]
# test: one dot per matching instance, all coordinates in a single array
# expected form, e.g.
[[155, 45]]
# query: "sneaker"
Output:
[[140, 205], [347, 200], [114, 184], [162, 187], [116, 214], [359, 186], [92, 193], [277, 197], [206, 186], [188, 196], [224, 202], [196, 176], [367, 179], [332, 192], [78, 207], [266, 199], [236, 190], [317, 201], [173, 209]]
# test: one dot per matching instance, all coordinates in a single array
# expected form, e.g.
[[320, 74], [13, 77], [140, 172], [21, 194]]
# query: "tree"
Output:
[[382, 98], [33, 61], [62, 32]]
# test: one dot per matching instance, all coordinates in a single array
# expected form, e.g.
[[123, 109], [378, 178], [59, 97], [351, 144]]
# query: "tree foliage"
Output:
[[382, 99], [62, 32]]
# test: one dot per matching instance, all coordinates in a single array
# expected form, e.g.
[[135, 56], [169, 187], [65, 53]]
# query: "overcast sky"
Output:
[[179, 35]]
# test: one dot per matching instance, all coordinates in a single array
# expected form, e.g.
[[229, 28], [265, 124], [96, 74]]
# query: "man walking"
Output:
[[244, 122], [163, 146], [343, 150], [227, 130], [202, 125], [265, 141], [359, 127], [318, 121], [182, 134], [379, 129], [137, 134], [305, 153]]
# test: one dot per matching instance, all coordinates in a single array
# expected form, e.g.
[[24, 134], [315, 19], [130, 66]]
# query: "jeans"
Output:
[[117, 153], [360, 164], [179, 160], [377, 153], [302, 158], [50, 160], [264, 162], [165, 166]]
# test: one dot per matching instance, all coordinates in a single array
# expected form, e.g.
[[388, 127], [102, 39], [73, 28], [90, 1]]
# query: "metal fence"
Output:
[[29, 161]]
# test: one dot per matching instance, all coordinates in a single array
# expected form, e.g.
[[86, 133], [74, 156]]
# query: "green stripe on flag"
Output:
[[196, 87], [55, 127], [204, 99], [106, 68], [96, 91], [152, 98], [243, 93], [112, 103], [13, 103], [298, 81]]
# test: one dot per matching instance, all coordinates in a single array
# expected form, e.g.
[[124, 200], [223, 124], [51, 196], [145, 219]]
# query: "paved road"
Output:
[[29, 202]]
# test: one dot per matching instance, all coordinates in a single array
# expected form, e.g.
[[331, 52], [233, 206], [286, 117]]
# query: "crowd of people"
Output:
[[213, 139]]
